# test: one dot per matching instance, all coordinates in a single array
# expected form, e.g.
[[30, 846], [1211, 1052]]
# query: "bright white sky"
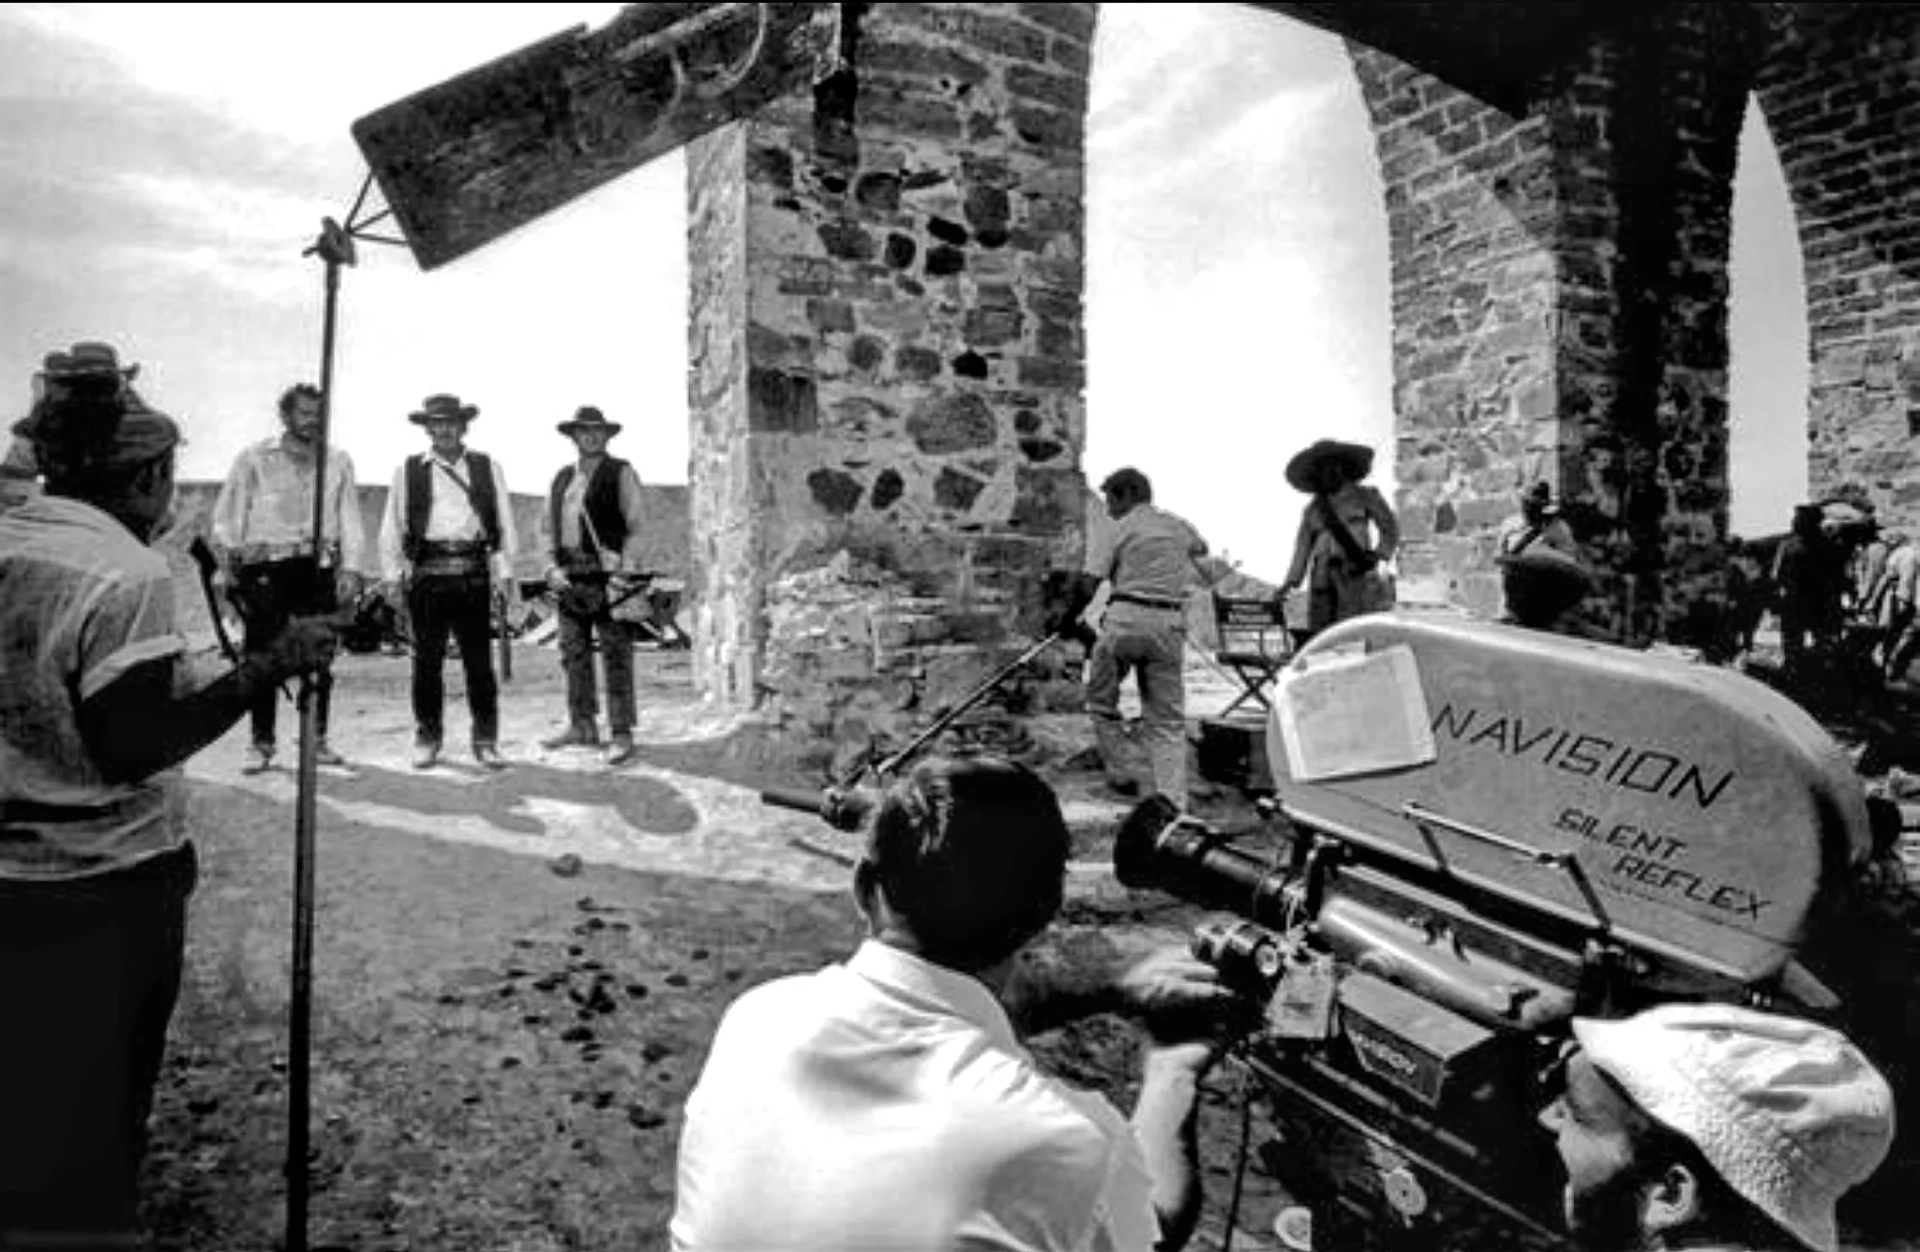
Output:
[[164, 165]]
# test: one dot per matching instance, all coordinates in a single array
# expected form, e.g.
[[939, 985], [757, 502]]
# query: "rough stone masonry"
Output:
[[887, 337], [887, 366]]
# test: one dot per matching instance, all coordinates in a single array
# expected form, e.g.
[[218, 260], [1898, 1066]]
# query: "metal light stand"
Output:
[[335, 248]]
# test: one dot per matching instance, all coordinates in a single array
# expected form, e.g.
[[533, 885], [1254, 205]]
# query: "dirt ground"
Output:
[[516, 975]]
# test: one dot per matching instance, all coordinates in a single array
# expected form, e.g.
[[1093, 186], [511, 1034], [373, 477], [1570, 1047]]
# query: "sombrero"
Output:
[[1305, 465], [589, 418]]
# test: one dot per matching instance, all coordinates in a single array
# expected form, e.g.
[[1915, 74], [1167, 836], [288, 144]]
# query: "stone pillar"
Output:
[[1559, 284], [1841, 97], [1472, 210], [888, 368]]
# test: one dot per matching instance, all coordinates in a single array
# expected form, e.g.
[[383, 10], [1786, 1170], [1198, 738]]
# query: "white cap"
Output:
[[1789, 1112]]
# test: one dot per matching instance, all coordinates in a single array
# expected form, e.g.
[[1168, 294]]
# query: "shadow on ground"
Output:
[[500, 1053]]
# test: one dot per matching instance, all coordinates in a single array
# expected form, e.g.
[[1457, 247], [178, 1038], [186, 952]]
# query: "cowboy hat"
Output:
[[86, 359], [443, 406], [1304, 468], [588, 418]]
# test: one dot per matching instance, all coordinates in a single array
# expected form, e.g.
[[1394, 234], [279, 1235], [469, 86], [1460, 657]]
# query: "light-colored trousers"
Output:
[[1150, 644]]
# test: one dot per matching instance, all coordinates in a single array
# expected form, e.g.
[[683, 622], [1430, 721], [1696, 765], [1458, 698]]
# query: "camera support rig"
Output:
[[1578, 829]]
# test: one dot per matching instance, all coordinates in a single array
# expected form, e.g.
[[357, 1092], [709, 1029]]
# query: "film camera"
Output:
[[1478, 832]]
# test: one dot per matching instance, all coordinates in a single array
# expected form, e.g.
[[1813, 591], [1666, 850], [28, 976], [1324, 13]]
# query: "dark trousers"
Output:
[[460, 606], [275, 591], [89, 972], [583, 614]]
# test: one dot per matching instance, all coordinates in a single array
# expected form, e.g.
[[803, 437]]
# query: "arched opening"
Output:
[[1768, 343], [1238, 302]]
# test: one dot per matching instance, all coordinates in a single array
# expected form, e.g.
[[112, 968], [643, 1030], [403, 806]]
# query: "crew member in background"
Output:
[[1538, 521], [1713, 1127], [1334, 553], [1810, 573], [448, 543], [594, 515], [262, 526], [98, 705], [1902, 591], [1151, 561]]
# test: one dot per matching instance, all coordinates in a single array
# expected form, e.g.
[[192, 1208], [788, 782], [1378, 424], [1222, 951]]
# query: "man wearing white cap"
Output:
[[1713, 1127]]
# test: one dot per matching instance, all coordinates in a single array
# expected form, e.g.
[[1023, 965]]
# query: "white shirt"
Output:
[[267, 501], [81, 602], [450, 516], [884, 1105], [1903, 570]]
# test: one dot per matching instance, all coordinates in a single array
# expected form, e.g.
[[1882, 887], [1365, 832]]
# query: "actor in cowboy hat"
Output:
[[1714, 1127], [448, 543], [1335, 554], [594, 519], [99, 705]]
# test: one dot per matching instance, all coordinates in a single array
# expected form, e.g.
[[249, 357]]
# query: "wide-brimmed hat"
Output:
[[442, 406], [1304, 468], [1789, 1112], [586, 417], [86, 359]]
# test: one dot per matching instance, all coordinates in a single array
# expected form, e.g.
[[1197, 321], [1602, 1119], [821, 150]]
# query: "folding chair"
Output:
[[1254, 643]]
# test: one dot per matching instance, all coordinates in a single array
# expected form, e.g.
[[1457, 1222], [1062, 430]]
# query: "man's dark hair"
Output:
[[1129, 484], [972, 854], [294, 393]]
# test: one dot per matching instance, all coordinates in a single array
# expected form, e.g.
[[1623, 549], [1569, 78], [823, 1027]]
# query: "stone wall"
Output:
[[889, 366], [1840, 95], [1471, 208], [1559, 285]]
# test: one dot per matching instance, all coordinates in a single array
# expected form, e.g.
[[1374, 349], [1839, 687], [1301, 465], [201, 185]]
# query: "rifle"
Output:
[[505, 630], [844, 803], [208, 565]]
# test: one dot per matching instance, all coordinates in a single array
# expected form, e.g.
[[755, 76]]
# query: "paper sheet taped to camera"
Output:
[[1683, 809]]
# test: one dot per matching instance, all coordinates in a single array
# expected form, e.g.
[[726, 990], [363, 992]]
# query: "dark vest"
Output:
[[422, 482], [601, 503]]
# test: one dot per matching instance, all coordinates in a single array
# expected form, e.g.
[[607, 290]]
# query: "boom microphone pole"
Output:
[[335, 249]]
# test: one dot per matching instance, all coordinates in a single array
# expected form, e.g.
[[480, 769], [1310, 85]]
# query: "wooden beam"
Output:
[[464, 162]]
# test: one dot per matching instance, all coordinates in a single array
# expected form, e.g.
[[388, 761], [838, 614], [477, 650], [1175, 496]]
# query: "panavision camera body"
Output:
[[1477, 833]]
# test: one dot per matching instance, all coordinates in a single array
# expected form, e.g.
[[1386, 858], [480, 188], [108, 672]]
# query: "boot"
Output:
[[577, 735]]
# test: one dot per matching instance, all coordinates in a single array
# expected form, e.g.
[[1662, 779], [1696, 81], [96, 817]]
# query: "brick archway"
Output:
[[1839, 91], [887, 340]]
